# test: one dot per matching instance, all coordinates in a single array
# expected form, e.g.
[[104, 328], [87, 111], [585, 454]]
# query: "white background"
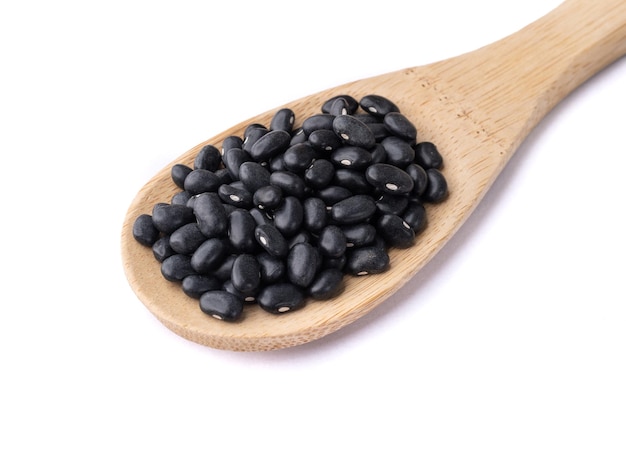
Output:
[[508, 350]]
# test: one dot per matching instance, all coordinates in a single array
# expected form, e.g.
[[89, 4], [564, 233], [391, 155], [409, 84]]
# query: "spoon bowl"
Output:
[[477, 108]]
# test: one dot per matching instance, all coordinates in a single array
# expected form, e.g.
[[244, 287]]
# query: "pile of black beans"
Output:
[[281, 214]]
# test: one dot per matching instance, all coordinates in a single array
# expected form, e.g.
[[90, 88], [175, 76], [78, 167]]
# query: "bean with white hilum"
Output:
[[279, 215]]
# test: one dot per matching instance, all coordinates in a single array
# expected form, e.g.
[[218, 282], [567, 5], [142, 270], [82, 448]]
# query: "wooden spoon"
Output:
[[477, 108]]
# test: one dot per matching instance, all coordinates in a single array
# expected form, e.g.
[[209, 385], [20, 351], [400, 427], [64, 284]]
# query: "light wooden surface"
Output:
[[477, 108]]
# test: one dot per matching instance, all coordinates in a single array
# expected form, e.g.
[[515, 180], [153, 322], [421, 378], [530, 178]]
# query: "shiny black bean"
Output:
[[222, 305], [232, 141], [270, 144], [253, 176], [209, 255], [400, 126], [352, 179], [332, 241], [326, 284], [301, 264], [354, 209], [298, 157], [252, 134], [176, 267], [144, 230], [319, 174], [210, 215], [395, 231], [420, 179], [271, 239], [233, 159], [241, 231], [280, 298], [162, 249], [379, 130], [267, 197], [272, 268], [379, 155], [359, 235], [389, 179], [324, 140], [377, 105], [348, 101], [200, 181], [288, 216], [399, 152], [317, 122], [289, 182], [415, 216], [427, 155], [333, 194], [167, 218], [283, 120], [299, 237], [276, 163], [247, 298], [246, 273], [437, 188], [233, 195], [208, 158], [354, 157], [392, 204], [367, 260], [222, 272], [179, 173], [186, 239], [353, 132], [261, 217], [339, 107], [196, 285], [315, 215], [181, 198]]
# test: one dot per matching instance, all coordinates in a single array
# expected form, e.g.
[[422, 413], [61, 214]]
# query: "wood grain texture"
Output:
[[477, 108]]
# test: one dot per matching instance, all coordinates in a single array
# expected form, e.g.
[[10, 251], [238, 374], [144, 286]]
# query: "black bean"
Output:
[[427, 155], [241, 231], [354, 157], [399, 152], [233, 195], [415, 216], [209, 255], [252, 134], [367, 260], [267, 197], [298, 136], [377, 105], [271, 239], [339, 107], [326, 284], [332, 241], [288, 216], [324, 140], [298, 157], [196, 285], [208, 158], [232, 141], [144, 230], [233, 159], [176, 267], [351, 104], [283, 120], [162, 249], [389, 179], [354, 209], [379, 155], [317, 122], [353, 180], [315, 215], [222, 272], [289, 182], [353, 132], [186, 239], [319, 174], [167, 218], [400, 126], [420, 179], [392, 204], [437, 188], [181, 198], [224, 175], [379, 130], [270, 144], [222, 305], [276, 163], [253, 175], [280, 298], [247, 298], [201, 180], [246, 273], [333, 194], [272, 268], [395, 231], [179, 173], [301, 264], [359, 235], [261, 217], [210, 215]]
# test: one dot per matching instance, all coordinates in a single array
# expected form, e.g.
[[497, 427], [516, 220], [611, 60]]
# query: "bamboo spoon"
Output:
[[477, 108]]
